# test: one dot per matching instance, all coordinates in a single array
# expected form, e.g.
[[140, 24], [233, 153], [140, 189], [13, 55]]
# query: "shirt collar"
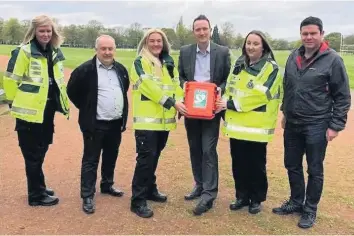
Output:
[[207, 50], [99, 63]]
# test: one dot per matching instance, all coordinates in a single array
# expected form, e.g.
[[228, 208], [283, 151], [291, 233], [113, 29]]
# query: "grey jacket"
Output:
[[220, 64], [317, 92]]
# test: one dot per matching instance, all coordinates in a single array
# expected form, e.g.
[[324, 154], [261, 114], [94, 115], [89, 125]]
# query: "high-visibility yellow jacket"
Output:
[[154, 96], [253, 97], [26, 82]]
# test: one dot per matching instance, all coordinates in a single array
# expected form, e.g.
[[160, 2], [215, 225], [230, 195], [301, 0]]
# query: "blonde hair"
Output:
[[166, 48], [41, 20]]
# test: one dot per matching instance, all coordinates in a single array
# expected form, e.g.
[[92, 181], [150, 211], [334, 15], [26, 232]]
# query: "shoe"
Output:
[[49, 191], [157, 197], [288, 207], [254, 208], [307, 220], [44, 201], [196, 192], [113, 192], [238, 204], [88, 205], [142, 210], [202, 207]]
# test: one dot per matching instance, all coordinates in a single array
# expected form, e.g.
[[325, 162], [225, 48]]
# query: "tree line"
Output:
[[13, 30]]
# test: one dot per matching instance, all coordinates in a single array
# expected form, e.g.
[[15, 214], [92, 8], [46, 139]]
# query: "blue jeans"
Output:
[[310, 140]]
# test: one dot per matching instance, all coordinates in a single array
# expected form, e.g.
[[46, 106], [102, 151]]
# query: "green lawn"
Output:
[[75, 56]]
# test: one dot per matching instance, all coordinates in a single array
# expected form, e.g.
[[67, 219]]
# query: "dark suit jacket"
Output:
[[220, 64], [82, 91]]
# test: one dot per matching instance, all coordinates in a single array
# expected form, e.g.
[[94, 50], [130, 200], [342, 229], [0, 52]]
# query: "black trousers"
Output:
[[298, 140], [34, 140], [149, 145], [203, 136], [106, 139], [249, 161]]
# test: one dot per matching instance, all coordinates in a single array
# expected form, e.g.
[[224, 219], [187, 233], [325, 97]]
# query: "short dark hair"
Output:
[[311, 20], [201, 17]]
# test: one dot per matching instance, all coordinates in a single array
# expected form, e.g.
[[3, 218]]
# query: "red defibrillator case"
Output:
[[200, 98]]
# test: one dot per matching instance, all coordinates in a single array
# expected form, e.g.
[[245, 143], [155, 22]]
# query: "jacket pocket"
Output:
[[144, 98], [29, 88]]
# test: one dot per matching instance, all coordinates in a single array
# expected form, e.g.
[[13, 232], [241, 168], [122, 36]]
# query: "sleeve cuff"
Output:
[[230, 105], [170, 102]]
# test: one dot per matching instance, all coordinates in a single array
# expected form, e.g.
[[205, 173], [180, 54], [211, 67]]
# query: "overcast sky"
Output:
[[279, 18]]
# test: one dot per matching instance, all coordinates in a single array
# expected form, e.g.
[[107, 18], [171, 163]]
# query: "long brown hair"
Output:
[[266, 46]]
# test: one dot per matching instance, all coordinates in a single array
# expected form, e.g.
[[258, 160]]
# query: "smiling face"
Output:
[[155, 44], [311, 36], [44, 34], [254, 47], [201, 31]]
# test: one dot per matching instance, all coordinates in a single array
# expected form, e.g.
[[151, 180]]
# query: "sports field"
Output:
[[174, 177], [75, 56]]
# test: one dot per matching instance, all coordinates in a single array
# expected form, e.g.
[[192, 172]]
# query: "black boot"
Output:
[[307, 220], [88, 205], [44, 201], [288, 207], [238, 204], [157, 197], [142, 210], [254, 208], [49, 191]]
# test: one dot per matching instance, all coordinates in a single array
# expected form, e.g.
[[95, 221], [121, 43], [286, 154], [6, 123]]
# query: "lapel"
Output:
[[212, 60], [193, 56], [119, 74]]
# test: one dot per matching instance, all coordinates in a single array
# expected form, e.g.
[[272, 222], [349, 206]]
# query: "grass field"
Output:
[[75, 56], [336, 214]]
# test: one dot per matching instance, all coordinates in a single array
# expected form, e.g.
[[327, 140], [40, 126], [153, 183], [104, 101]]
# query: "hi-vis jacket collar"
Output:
[[35, 52]]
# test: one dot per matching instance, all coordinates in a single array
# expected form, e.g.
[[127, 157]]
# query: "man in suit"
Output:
[[98, 88], [205, 62]]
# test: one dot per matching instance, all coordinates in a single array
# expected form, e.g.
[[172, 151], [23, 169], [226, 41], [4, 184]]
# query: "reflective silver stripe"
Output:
[[276, 96], [34, 79], [168, 87], [13, 76], [28, 54], [236, 92], [24, 110], [140, 80], [263, 89], [155, 78], [60, 80], [23, 78], [153, 120], [34, 63], [36, 67], [240, 93], [163, 99], [248, 129], [163, 87], [137, 84], [237, 105], [36, 73]]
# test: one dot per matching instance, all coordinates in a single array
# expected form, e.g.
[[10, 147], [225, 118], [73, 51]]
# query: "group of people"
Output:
[[313, 96]]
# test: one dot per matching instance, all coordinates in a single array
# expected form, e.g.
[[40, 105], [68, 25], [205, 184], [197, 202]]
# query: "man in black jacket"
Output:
[[315, 106], [98, 88]]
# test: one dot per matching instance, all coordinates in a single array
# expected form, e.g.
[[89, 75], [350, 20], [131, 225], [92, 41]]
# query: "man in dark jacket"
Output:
[[98, 88], [315, 106]]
